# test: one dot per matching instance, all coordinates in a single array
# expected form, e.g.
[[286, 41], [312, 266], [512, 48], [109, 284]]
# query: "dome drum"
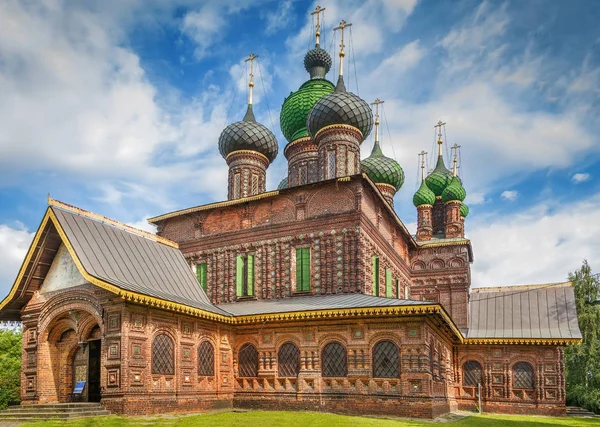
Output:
[[387, 191], [247, 174], [339, 151]]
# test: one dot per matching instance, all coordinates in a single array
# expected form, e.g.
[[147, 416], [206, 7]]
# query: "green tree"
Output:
[[10, 367], [583, 360]]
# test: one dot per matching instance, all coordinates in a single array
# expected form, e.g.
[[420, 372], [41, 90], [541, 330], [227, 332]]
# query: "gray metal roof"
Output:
[[314, 302], [132, 262], [543, 311]]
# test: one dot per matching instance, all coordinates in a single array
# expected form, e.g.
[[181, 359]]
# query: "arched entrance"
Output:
[[72, 344]]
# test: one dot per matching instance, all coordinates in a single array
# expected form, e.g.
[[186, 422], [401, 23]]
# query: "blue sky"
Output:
[[116, 107]]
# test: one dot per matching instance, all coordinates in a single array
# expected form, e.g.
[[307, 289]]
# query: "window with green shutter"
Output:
[[388, 283], [201, 274], [375, 275], [244, 275], [302, 269]]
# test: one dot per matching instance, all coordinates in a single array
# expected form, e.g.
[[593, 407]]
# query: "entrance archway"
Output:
[[71, 344]]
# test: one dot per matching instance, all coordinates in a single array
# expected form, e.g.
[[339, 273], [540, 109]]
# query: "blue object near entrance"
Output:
[[79, 385]]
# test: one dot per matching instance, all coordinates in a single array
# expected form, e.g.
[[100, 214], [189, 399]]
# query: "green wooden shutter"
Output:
[[303, 269], [201, 274], [239, 276], [250, 275], [375, 275], [388, 283]]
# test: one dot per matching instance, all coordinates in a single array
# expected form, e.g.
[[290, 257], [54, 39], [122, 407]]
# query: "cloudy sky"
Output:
[[116, 106]]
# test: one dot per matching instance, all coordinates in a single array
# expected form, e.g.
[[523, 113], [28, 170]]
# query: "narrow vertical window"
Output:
[[236, 186], [350, 162], [254, 184], [398, 293], [303, 269], [330, 164], [388, 283], [303, 175], [375, 275], [244, 275], [201, 274]]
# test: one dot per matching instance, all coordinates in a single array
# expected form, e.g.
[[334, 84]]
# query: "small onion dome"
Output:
[[454, 191], [439, 178], [464, 210], [423, 196], [296, 107], [283, 184], [248, 134], [382, 169], [317, 62], [339, 108]]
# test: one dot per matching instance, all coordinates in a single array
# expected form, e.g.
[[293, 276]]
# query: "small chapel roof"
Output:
[[544, 312], [316, 302]]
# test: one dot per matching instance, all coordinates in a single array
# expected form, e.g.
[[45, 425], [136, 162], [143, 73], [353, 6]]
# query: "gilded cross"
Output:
[[422, 155], [317, 12], [376, 104], [251, 59], [439, 128], [454, 148], [343, 25]]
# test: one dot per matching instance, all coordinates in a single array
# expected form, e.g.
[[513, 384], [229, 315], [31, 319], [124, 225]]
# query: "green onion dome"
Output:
[[341, 107], [283, 184], [454, 191], [464, 210], [423, 196], [382, 169], [439, 178], [248, 134], [296, 107]]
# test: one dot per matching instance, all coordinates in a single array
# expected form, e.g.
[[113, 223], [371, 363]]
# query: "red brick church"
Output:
[[313, 296]]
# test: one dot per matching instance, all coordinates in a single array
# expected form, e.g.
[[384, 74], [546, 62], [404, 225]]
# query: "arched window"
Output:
[[163, 355], [472, 373], [248, 361], [288, 360], [522, 375], [386, 360], [206, 359], [334, 361]]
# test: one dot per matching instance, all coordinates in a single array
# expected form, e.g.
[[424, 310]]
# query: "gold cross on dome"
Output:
[[317, 12], [251, 59], [343, 25]]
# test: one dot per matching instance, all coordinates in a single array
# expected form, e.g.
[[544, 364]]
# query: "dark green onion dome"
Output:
[[283, 184], [248, 134], [439, 178], [296, 107], [454, 191], [382, 169], [341, 107], [423, 196], [464, 210], [317, 62]]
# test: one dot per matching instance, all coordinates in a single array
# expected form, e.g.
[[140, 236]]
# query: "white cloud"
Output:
[[540, 245], [203, 27], [475, 198], [14, 242], [280, 18], [578, 178], [510, 195]]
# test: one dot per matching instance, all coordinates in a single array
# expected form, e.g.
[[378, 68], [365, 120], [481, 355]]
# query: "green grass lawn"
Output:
[[308, 419]]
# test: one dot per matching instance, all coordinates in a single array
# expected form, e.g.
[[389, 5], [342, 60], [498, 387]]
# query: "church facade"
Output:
[[314, 296]]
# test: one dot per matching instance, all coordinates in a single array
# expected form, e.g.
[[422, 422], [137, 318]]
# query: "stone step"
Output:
[[574, 411], [26, 419], [59, 405], [52, 415], [22, 410]]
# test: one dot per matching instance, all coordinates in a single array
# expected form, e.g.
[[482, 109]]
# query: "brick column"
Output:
[[339, 151], [454, 226], [424, 227], [303, 161], [247, 174]]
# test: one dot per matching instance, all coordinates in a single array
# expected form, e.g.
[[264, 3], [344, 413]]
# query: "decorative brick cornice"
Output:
[[299, 145]]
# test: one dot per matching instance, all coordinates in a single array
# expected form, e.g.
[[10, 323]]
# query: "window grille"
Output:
[[201, 274], [375, 275], [386, 360], [303, 269], [303, 175], [288, 360], [163, 355], [350, 162], [236, 186], [330, 164], [334, 360], [206, 359], [254, 184], [248, 361], [472, 373], [523, 375], [244, 277]]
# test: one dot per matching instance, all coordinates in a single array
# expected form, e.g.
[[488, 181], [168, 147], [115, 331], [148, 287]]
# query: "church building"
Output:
[[313, 296]]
